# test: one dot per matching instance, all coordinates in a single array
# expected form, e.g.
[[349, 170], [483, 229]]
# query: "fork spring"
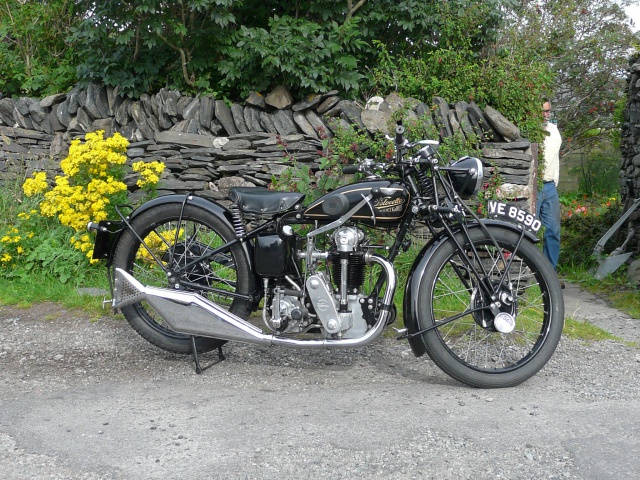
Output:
[[426, 186]]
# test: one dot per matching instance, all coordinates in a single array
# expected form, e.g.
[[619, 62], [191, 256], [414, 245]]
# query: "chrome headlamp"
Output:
[[466, 176]]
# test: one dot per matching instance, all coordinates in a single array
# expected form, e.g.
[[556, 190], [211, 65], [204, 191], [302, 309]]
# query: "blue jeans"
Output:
[[548, 211]]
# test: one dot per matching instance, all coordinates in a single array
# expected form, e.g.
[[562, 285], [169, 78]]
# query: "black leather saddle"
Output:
[[262, 201]]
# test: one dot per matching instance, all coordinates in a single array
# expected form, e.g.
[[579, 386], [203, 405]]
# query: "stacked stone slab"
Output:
[[210, 146]]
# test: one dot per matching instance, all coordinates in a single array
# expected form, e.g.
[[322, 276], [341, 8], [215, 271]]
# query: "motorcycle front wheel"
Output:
[[464, 341], [173, 237]]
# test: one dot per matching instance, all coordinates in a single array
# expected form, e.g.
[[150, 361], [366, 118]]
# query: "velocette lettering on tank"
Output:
[[389, 204]]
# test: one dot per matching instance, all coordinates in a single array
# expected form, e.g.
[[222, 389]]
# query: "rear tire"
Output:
[[469, 348], [198, 231]]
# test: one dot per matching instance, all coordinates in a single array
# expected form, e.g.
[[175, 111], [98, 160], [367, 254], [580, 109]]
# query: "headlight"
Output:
[[466, 176]]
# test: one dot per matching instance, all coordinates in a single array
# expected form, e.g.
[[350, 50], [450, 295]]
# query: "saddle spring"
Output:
[[238, 222]]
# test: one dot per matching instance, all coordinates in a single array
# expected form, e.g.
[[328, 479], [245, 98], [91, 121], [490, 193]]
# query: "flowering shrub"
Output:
[[583, 205], [89, 189], [35, 185], [584, 220], [90, 184], [11, 239], [150, 174], [31, 242]]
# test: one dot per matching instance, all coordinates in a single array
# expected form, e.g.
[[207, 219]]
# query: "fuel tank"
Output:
[[389, 203]]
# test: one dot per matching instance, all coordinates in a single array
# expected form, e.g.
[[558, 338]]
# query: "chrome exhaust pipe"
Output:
[[193, 314]]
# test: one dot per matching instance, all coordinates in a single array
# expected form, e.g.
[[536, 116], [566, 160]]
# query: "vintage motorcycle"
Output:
[[480, 298]]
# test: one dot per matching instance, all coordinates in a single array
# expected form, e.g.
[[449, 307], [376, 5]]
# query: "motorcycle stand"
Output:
[[196, 357]]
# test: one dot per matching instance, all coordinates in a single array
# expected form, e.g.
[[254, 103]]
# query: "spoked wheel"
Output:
[[483, 341], [173, 239]]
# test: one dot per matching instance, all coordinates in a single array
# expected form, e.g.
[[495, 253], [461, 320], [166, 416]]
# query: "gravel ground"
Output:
[[85, 398]]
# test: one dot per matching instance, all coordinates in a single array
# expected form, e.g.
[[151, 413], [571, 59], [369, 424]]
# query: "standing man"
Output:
[[548, 204]]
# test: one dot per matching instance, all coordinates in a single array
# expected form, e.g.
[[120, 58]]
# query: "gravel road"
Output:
[[84, 398]]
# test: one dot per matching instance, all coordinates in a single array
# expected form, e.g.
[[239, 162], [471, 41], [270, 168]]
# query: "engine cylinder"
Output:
[[356, 271]]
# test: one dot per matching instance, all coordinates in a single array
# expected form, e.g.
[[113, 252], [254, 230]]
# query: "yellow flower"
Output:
[[6, 258], [149, 172], [35, 185], [20, 250]]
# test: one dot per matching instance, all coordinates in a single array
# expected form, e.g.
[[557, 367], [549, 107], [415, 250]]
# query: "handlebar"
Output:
[[348, 169]]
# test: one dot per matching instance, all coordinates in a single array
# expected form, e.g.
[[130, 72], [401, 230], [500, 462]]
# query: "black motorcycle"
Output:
[[480, 298]]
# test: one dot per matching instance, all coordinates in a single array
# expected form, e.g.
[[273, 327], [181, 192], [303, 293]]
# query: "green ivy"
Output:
[[347, 145]]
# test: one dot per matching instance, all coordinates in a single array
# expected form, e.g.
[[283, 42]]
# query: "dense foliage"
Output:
[[36, 53], [235, 46], [505, 53], [456, 68], [586, 44], [499, 52]]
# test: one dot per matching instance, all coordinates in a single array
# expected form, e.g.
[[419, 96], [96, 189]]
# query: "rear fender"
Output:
[[108, 240], [420, 264]]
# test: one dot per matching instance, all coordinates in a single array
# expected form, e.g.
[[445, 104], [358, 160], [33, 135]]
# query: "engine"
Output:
[[329, 298]]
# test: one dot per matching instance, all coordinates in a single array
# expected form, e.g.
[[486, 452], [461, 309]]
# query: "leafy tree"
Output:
[[586, 43], [242, 45], [294, 52], [142, 45], [36, 56]]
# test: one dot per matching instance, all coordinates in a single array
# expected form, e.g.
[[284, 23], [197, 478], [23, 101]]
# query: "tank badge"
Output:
[[389, 204]]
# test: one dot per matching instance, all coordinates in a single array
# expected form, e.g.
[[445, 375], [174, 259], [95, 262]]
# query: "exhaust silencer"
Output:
[[193, 314], [186, 312]]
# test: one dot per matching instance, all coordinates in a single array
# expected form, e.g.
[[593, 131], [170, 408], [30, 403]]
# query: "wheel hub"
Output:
[[504, 322], [495, 315]]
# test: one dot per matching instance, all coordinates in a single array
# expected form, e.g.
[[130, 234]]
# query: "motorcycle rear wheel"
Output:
[[469, 348], [197, 230]]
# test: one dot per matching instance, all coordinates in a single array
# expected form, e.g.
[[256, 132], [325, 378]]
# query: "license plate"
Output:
[[514, 214]]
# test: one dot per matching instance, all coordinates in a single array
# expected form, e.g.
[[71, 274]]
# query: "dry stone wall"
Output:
[[209, 146], [630, 163], [630, 141]]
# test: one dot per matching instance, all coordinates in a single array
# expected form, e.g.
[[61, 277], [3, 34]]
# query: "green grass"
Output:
[[585, 331], [24, 292]]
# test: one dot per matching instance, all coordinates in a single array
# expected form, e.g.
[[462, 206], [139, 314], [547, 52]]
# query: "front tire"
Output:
[[470, 348], [175, 237]]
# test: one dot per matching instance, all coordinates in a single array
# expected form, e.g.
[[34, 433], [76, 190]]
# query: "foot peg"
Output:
[[402, 333]]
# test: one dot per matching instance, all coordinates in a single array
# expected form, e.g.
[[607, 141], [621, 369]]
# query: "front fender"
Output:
[[420, 264]]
